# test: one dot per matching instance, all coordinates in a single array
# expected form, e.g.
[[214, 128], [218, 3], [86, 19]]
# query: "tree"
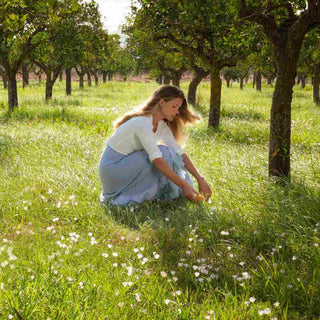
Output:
[[285, 23], [309, 61], [208, 29], [22, 23]]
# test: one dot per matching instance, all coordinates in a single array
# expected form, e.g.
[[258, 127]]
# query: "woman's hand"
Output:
[[204, 188], [189, 192]]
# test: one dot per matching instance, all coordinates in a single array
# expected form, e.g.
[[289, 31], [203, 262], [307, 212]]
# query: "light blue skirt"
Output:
[[133, 178]]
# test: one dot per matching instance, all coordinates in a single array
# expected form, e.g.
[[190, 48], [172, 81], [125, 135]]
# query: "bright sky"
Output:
[[113, 13]]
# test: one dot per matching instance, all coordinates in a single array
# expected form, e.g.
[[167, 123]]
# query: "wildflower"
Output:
[[115, 254], [59, 204], [130, 270], [115, 264], [138, 297], [197, 274], [125, 284], [72, 197], [142, 248], [140, 256], [276, 304], [294, 258], [252, 299], [167, 219], [10, 316], [188, 252], [200, 240], [163, 274], [81, 285], [144, 260], [105, 255], [135, 250], [242, 264], [121, 304], [4, 263], [156, 255], [224, 233], [167, 301], [110, 246], [55, 219]]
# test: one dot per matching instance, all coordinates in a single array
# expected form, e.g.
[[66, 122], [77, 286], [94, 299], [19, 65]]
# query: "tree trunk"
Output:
[[303, 82], [89, 79], [166, 79], [159, 80], [228, 83], [25, 75], [280, 121], [299, 79], [269, 79], [5, 80], [104, 77], [316, 81], [109, 76], [49, 86], [96, 78], [192, 91], [258, 80], [81, 81], [68, 81], [215, 97], [12, 91], [241, 83], [254, 79], [60, 75]]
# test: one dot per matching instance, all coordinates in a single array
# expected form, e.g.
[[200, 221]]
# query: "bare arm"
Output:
[[188, 191], [203, 185]]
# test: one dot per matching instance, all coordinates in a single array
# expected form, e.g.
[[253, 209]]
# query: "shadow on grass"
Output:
[[57, 115]]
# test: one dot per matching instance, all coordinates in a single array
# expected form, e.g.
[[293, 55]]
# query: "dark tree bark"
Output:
[[176, 78], [215, 97], [258, 80], [81, 72], [12, 91], [299, 79], [5, 80], [50, 81], [25, 75], [241, 83], [104, 76], [254, 79], [316, 82], [68, 81], [159, 80], [89, 79], [166, 79], [192, 91], [228, 82], [96, 78], [110, 75], [269, 79], [303, 82], [60, 76]]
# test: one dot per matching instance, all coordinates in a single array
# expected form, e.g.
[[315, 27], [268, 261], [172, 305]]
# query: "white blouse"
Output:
[[137, 134]]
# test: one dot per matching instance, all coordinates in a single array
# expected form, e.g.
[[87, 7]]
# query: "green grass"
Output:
[[253, 252]]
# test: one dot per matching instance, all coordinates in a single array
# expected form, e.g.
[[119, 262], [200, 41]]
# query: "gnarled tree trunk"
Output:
[[192, 91], [258, 80], [12, 91], [25, 75]]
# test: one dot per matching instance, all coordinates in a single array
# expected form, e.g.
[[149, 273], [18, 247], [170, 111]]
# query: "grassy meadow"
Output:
[[252, 252]]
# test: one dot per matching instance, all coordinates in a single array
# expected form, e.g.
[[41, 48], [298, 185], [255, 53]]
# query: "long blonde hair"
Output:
[[151, 106]]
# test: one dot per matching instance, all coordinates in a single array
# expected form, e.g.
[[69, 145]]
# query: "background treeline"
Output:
[[278, 40]]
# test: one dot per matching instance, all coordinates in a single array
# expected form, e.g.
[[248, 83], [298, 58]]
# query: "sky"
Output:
[[113, 13]]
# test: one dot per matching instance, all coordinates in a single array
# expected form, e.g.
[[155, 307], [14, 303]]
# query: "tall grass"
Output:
[[251, 253]]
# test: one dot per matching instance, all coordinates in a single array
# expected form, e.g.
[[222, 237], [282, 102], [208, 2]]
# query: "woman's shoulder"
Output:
[[141, 121]]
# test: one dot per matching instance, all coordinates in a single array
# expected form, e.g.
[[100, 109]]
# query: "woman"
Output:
[[134, 168]]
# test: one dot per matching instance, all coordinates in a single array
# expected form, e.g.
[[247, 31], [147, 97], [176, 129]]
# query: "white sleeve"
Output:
[[169, 140], [149, 143]]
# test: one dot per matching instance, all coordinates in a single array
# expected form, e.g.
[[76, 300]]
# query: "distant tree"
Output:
[[22, 23], [285, 23], [230, 74]]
